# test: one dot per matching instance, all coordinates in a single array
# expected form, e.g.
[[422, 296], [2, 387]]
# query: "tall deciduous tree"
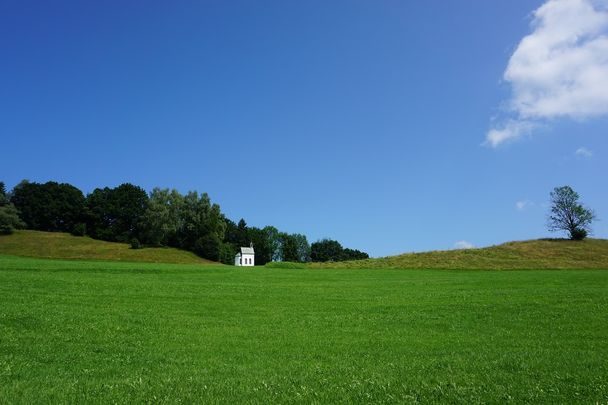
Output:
[[114, 214], [161, 222], [243, 238], [9, 219], [3, 196], [194, 214], [230, 236], [208, 246], [289, 248], [567, 214], [353, 254], [265, 242], [302, 247], [227, 253], [272, 237], [326, 250], [50, 206], [9, 215]]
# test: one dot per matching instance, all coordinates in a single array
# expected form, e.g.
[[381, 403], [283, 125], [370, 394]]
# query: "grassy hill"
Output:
[[55, 245], [533, 254]]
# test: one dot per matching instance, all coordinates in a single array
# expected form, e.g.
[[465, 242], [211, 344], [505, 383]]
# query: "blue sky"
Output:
[[390, 126]]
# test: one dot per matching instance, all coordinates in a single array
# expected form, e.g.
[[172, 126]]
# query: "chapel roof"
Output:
[[247, 250]]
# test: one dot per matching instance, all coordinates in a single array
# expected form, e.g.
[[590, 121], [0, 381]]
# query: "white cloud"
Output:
[[560, 70], [463, 244], [523, 204], [510, 130], [583, 152]]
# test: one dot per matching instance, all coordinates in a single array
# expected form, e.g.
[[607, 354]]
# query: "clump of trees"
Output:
[[162, 218], [568, 215], [327, 250], [189, 222]]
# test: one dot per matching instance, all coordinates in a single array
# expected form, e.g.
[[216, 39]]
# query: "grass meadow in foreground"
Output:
[[76, 331]]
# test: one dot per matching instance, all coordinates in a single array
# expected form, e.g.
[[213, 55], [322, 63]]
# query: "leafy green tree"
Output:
[[264, 243], [114, 214], [273, 243], [326, 250], [9, 215], [9, 218], [208, 246], [3, 196], [567, 214], [194, 213], [353, 254], [289, 248], [302, 248], [215, 222], [230, 235], [238, 235], [201, 219], [242, 233], [50, 206], [161, 222], [227, 253]]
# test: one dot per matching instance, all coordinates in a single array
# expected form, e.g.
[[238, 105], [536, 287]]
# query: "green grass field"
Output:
[[113, 332]]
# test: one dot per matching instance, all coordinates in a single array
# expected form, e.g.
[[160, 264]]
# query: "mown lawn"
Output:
[[76, 332]]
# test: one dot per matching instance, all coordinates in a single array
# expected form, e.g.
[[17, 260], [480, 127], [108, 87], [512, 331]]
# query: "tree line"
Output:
[[163, 217]]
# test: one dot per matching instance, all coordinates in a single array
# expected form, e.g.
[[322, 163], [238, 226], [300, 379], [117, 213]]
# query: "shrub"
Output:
[[578, 234], [135, 244], [80, 229], [6, 229]]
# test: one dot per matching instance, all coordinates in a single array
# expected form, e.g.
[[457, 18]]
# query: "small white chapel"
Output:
[[246, 257]]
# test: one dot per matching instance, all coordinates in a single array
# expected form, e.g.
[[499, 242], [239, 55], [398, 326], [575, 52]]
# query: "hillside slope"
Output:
[[55, 245], [534, 254]]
